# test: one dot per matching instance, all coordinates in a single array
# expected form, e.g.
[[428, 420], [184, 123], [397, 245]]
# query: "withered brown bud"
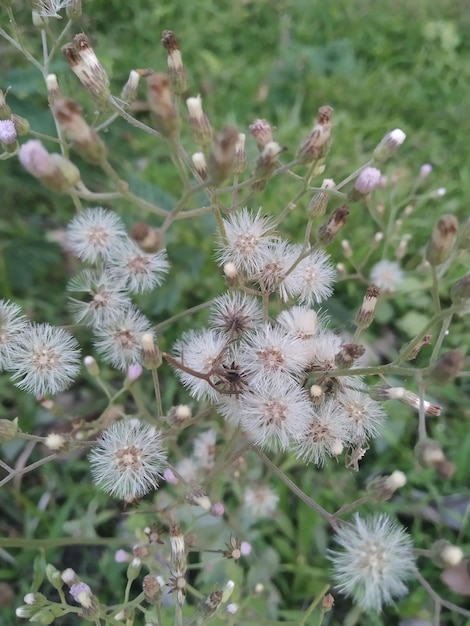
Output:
[[448, 366], [176, 69], [86, 140], [220, 163], [327, 602], [316, 145], [426, 340], [86, 67], [442, 240], [152, 587], [210, 604], [348, 354], [160, 100], [328, 231], [265, 165]]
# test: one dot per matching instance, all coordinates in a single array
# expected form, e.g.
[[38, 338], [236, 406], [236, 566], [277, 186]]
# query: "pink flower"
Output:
[[36, 159]]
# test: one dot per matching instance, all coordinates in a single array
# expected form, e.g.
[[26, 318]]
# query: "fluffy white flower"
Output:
[[235, 313], [365, 416], [45, 361], [103, 299], [246, 241], [120, 341], [387, 275], [312, 279], [325, 435], [280, 257], [139, 271], [375, 559], [128, 459], [299, 321], [94, 234], [12, 323], [260, 500], [200, 351], [272, 350], [50, 8], [274, 411]]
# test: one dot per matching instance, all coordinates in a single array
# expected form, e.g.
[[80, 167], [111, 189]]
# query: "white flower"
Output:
[[270, 351], [45, 361], [260, 501], [387, 275], [324, 436], [200, 351], [312, 279], [375, 560], [365, 416], [120, 341], [299, 321], [274, 411], [12, 324], [280, 257], [246, 241], [138, 270], [128, 459], [235, 314], [106, 298], [94, 234]]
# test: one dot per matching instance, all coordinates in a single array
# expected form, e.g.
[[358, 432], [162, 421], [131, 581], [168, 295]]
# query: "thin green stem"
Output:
[[295, 489]]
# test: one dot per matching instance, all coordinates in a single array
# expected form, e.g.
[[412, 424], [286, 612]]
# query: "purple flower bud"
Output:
[[36, 159], [425, 170], [7, 132], [367, 180], [80, 590], [169, 476], [217, 509], [133, 372]]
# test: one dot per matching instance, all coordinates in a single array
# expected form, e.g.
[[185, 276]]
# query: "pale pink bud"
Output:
[[217, 509], [134, 371], [425, 170], [262, 133], [7, 132], [169, 476], [366, 182]]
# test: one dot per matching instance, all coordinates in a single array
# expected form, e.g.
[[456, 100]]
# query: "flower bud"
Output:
[[389, 145], [54, 92], [448, 367], [5, 111], [152, 358], [129, 91], [86, 140], [239, 159], [91, 366], [85, 65], [160, 100], [265, 165], [153, 587], [318, 203], [445, 554], [425, 341], [200, 165], [220, 164], [327, 602], [22, 126], [425, 170], [348, 354], [211, 603], [460, 291], [442, 240], [385, 392], [55, 442], [328, 231], [197, 497], [382, 488], [8, 430], [429, 453], [53, 170], [199, 124], [316, 145], [366, 313], [8, 135], [176, 69], [366, 182], [133, 569], [262, 133]]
